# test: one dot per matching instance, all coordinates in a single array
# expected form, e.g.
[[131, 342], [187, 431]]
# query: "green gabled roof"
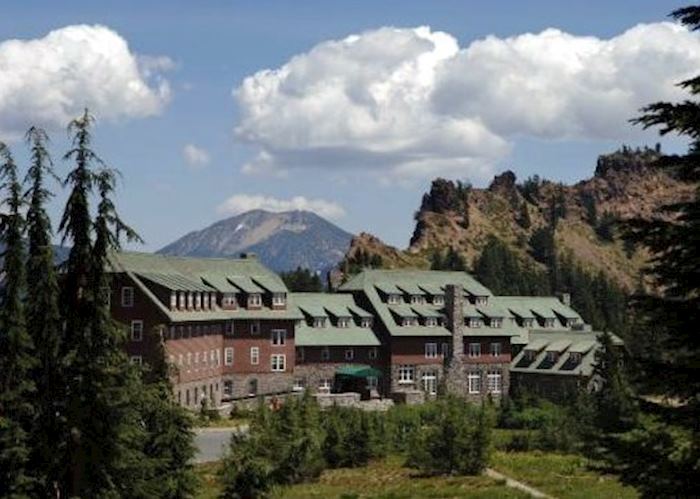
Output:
[[537, 344], [306, 336], [582, 346], [410, 288], [220, 283], [431, 289], [321, 304], [544, 306], [415, 331], [402, 310], [239, 313], [470, 310], [492, 310], [427, 311], [245, 284], [558, 345], [270, 283], [174, 282], [387, 288], [355, 310], [395, 277]]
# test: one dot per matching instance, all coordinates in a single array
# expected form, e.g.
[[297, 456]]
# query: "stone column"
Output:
[[455, 373]]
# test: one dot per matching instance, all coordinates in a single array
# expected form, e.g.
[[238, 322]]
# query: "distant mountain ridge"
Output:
[[282, 241]]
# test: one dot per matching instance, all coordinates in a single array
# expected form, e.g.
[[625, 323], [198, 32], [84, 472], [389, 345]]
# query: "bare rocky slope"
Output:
[[455, 215]]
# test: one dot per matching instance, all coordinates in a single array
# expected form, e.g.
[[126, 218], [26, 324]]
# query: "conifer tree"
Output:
[[16, 349], [43, 319]]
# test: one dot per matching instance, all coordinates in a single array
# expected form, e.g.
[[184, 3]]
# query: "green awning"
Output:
[[358, 371]]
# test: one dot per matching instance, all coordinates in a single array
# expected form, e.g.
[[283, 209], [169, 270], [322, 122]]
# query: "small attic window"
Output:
[[481, 300], [575, 357], [438, 299], [344, 322], [549, 323], [417, 299], [393, 299], [366, 322], [474, 322], [431, 321], [279, 299], [254, 300], [319, 322], [496, 322], [528, 322], [409, 321]]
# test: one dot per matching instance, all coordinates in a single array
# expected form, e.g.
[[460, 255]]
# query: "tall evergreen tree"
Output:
[[43, 319], [16, 349]]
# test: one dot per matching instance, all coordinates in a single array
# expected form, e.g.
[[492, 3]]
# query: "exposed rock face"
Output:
[[625, 185]]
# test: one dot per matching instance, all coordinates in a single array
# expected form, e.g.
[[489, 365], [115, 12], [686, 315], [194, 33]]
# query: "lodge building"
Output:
[[231, 331]]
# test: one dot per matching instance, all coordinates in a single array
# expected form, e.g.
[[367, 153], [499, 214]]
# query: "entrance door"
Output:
[[429, 380]]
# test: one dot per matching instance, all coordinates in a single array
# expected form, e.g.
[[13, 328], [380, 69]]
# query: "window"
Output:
[[254, 300], [474, 322], [475, 349], [255, 355], [575, 357], [429, 382], [445, 350], [228, 356], [325, 385], [277, 362], [278, 337], [319, 322], [438, 300], [228, 329], [253, 387], [528, 322], [393, 299], [197, 330], [417, 299], [300, 353], [136, 360], [495, 349], [228, 300], [431, 321], [198, 301], [496, 322], [171, 332], [343, 322], [549, 323], [173, 300], [189, 300], [325, 353], [136, 330], [372, 382], [179, 359], [187, 397], [474, 381], [372, 355], [196, 358], [279, 299], [299, 384], [366, 322], [205, 301], [181, 299], [228, 388], [189, 358], [552, 356], [349, 354], [255, 327], [431, 350], [494, 381], [406, 373], [481, 300], [218, 357], [409, 321], [127, 296], [529, 355]]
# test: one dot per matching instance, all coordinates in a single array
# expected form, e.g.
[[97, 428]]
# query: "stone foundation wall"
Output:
[[350, 399], [212, 388], [268, 384], [417, 384], [457, 381]]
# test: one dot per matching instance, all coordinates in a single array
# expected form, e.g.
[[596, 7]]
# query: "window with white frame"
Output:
[[279, 299], [299, 384], [431, 350], [212, 300], [528, 322], [325, 353], [277, 362], [366, 322], [205, 301], [254, 356], [429, 382], [496, 349], [228, 356], [481, 300], [127, 296], [417, 299], [196, 358], [409, 321], [372, 382], [529, 355], [255, 327], [278, 337], [474, 382], [474, 349], [494, 381], [189, 358], [228, 388], [552, 356], [474, 322], [393, 299], [190, 300], [496, 322], [407, 373], [228, 300], [438, 299], [198, 301], [575, 357], [179, 359], [136, 359], [349, 354], [173, 300], [372, 355], [325, 385], [254, 300], [549, 322], [319, 322], [431, 321], [253, 387], [136, 330], [181, 299], [344, 322], [445, 350], [228, 329]]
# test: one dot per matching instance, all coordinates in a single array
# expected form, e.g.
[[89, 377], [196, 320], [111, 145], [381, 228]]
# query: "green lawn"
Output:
[[562, 476]]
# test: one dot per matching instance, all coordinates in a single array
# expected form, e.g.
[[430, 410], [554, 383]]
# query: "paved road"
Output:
[[211, 443]]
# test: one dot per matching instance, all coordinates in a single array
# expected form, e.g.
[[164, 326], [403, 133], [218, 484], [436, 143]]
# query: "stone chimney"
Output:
[[454, 300], [565, 299]]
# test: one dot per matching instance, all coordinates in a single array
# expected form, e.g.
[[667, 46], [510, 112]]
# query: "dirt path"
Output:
[[510, 482]]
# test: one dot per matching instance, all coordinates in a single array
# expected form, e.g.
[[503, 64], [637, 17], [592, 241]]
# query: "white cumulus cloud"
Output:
[[413, 103], [50, 80], [244, 202], [195, 157]]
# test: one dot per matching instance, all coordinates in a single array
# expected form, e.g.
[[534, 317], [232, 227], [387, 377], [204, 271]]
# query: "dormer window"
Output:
[[198, 301], [254, 300], [529, 355], [474, 322], [366, 322], [528, 322], [431, 321], [319, 322], [417, 299], [190, 300], [409, 321], [496, 322], [393, 299], [575, 357], [481, 300], [181, 300], [439, 300], [552, 357], [549, 323], [173, 300], [228, 300], [212, 300], [279, 299], [344, 322], [205, 301]]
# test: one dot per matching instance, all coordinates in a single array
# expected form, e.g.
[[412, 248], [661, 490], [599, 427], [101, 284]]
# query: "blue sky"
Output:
[[211, 47]]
